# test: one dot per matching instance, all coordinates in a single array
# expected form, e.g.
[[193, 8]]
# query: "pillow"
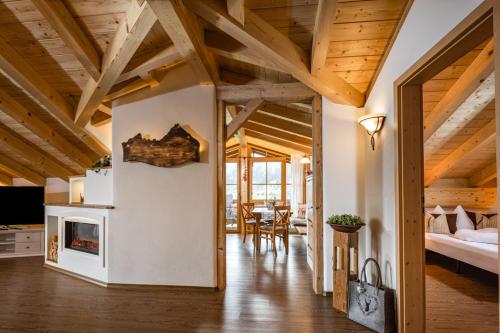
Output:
[[443, 224], [488, 221], [478, 236], [437, 210], [465, 220], [427, 218]]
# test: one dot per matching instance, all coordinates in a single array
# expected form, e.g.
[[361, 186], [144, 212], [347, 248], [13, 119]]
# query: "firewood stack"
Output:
[[52, 255]]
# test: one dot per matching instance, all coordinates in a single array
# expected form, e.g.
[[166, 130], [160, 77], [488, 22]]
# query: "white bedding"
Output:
[[487, 235], [481, 255]]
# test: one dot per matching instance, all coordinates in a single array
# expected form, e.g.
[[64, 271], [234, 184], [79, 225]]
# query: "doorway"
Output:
[[271, 189], [473, 30]]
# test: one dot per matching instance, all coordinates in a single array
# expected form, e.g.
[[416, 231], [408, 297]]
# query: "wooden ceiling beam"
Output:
[[227, 47], [164, 57], [287, 113], [9, 166], [484, 176], [100, 119], [126, 41], [37, 158], [468, 82], [474, 142], [236, 8], [128, 89], [183, 29], [284, 143], [242, 116], [325, 15], [264, 39], [5, 180], [249, 125], [59, 18], [240, 134], [473, 106], [24, 76], [38, 127], [281, 124], [280, 92]]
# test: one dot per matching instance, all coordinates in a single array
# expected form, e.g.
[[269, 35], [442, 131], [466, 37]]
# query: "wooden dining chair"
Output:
[[248, 219], [279, 227]]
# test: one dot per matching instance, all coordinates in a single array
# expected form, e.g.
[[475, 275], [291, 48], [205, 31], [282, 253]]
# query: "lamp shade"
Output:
[[305, 160], [372, 122]]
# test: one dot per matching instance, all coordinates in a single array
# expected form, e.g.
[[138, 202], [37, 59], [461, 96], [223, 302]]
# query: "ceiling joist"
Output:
[[165, 57], [468, 82], [278, 133], [9, 166], [325, 15], [126, 41], [38, 127], [37, 158], [23, 75], [240, 134], [5, 180], [484, 176], [59, 17], [284, 143], [186, 34], [261, 37], [280, 92], [242, 116], [474, 142]]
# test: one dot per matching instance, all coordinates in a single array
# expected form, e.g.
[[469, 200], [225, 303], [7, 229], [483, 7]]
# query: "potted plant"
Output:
[[345, 223], [103, 163]]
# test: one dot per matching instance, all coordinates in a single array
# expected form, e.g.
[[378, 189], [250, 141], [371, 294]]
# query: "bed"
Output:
[[481, 255]]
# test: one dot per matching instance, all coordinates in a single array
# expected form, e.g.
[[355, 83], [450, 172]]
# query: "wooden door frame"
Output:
[[408, 115], [317, 119]]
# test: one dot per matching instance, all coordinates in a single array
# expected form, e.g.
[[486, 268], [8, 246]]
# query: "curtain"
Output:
[[297, 183]]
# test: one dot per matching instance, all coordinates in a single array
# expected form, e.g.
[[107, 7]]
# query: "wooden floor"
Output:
[[465, 302], [263, 294]]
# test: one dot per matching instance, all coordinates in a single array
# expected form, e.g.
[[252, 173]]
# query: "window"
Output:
[[231, 188], [266, 180]]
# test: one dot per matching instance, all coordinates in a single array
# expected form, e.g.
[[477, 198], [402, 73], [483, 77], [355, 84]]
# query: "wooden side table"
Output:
[[342, 274]]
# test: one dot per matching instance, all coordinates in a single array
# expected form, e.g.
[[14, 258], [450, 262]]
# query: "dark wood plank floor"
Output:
[[465, 302], [264, 294]]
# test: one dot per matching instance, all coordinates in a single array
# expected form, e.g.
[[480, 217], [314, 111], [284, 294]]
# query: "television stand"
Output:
[[25, 242]]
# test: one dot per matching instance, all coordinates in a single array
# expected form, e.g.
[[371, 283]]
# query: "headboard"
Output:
[[479, 199]]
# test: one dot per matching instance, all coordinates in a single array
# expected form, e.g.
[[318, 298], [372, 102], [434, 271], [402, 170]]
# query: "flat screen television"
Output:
[[22, 205]]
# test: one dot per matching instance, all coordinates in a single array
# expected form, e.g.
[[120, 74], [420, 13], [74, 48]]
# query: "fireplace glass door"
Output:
[[82, 237]]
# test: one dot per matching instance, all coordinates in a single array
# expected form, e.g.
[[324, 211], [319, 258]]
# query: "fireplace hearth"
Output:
[[83, 237]]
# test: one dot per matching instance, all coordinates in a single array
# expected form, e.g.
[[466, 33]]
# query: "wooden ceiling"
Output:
[[459, 122], [63, 62]]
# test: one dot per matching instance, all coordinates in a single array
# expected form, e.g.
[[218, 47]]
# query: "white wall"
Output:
[[428, 21], [52, 185], [163, 224], [102, 133], [343, 192]]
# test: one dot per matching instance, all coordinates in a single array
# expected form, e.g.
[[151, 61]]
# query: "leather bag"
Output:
[[371, 305]]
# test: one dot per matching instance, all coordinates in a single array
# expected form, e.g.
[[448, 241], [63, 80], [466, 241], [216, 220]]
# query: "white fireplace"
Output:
[[81, 235]]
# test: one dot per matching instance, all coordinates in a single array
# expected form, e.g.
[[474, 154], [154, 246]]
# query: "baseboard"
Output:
[[76, 275], [130, 286], [159, 287]]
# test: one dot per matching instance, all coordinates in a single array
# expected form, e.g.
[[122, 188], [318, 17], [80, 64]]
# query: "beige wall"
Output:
[[343, 165], [427, 22], [163, 225]]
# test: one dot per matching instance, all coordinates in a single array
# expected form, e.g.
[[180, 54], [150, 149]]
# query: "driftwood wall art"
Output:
[[176, 148]]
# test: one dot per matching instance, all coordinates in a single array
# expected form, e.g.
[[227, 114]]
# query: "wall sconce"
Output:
[[372, 123], [305, 160]]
